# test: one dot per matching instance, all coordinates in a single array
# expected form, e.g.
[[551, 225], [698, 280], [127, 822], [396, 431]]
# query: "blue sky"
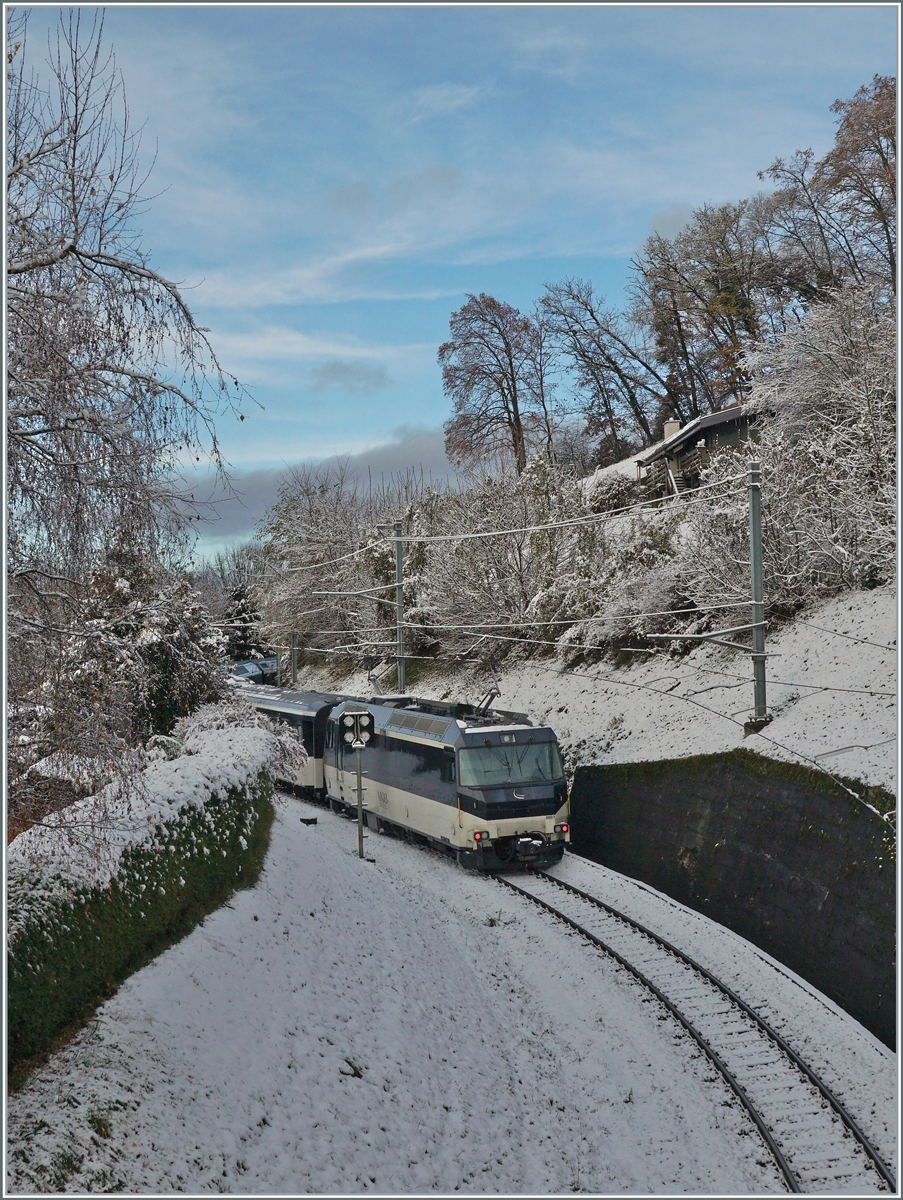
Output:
[[334, 179]]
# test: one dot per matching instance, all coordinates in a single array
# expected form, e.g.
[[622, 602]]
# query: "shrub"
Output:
[[114, 880]]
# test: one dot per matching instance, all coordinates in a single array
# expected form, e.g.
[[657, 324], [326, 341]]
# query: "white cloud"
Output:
[[357, 378], [668, 222], [555, 52], [442, 98], [281, 342], [235, 517]]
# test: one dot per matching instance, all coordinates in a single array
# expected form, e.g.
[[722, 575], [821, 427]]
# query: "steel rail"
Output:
[[694, 1033], [760, 1021]]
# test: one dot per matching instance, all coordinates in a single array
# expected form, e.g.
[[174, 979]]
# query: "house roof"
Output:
[[692, 429]]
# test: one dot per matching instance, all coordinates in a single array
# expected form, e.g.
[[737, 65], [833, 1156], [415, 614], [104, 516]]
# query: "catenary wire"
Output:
[[815, 687], [675, 612], [688, 700], [610, 514], [330, 562], [848, 636], [781, 682]]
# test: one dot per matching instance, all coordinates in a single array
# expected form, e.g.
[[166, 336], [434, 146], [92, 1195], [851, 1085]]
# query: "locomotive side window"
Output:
[[448, 764], [330, 735], [426, 760], [410, 766]]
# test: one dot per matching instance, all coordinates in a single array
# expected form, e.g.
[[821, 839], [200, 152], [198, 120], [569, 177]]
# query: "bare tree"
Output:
[[110, 379], [614, 370], [836, 217], [111, 386], [492, 367], [861, 171]]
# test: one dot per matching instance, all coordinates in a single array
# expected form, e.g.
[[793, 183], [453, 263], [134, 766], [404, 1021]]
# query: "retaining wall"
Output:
[[778, 853]]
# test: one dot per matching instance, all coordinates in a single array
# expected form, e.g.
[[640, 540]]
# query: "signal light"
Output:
[[358, 729]]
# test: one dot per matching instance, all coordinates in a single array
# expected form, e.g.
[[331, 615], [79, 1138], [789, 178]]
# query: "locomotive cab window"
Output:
[[504, 766], [448, 765]]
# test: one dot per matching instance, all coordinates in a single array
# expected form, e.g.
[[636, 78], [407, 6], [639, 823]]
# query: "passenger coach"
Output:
[[488, 787]]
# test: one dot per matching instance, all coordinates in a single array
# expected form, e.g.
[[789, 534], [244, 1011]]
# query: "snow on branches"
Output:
[[586, 569]]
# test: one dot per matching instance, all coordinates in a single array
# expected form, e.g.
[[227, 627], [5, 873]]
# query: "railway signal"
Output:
[[356, 726]]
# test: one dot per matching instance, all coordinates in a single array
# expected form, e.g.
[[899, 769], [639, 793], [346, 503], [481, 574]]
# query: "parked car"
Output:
[[269, 668], [249, 672], [257, 670]]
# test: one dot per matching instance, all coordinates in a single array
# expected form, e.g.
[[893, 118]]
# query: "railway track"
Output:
[[816, 1143]]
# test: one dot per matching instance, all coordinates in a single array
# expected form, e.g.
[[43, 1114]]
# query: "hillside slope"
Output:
[[833, 695]]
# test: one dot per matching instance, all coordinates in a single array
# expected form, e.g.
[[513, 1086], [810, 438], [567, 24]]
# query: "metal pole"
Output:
[[294, 660], [360, 806], [754, 483], [399, 606]]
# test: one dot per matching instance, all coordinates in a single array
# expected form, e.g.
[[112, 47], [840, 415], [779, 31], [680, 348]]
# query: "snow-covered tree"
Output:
[[144, 653], [241, 626], [112, 387], [825, 405]]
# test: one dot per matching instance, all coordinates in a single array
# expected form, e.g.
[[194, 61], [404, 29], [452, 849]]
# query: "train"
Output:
[[485, 786]]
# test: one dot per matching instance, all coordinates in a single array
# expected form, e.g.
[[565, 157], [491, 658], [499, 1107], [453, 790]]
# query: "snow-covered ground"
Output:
[[832, 695], [403, 1026]]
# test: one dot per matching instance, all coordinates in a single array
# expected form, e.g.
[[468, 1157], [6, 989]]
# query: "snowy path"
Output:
[[404, 1026]]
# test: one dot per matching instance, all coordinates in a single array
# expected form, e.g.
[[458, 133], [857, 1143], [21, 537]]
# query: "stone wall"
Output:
[[778, 853]]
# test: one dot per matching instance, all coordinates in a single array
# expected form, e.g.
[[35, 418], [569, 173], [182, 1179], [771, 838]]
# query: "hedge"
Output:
[[201, 830]]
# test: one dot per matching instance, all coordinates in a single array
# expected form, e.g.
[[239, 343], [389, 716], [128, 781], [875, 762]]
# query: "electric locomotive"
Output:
[[487, 787]]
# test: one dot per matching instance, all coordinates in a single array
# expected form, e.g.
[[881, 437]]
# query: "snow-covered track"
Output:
[[815, 1142]]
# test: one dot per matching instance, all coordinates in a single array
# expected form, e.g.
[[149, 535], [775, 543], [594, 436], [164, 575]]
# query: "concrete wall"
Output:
[[778, 853]]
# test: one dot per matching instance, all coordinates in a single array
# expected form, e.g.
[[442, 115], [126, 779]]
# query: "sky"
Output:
[[331, 181]]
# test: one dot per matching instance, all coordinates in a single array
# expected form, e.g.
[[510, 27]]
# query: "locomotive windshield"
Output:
[[502, 766]]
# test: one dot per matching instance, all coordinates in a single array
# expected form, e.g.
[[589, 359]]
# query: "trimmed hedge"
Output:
[[75, 943]]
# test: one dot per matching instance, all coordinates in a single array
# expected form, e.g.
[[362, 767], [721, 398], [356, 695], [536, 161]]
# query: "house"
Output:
[[673, 465]]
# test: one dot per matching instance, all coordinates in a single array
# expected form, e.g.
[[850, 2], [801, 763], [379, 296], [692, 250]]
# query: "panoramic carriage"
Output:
[[487, 787]]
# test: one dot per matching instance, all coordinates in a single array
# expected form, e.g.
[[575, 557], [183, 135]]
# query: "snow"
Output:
[[624, 466], [74, 768], [833, 699], [403, 1026], [84, 843]]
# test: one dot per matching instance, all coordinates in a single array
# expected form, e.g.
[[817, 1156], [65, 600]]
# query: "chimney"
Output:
[[670, 428]]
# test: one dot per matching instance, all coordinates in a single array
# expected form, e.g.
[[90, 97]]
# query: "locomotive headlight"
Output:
[[562, 828], [481, 835]]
